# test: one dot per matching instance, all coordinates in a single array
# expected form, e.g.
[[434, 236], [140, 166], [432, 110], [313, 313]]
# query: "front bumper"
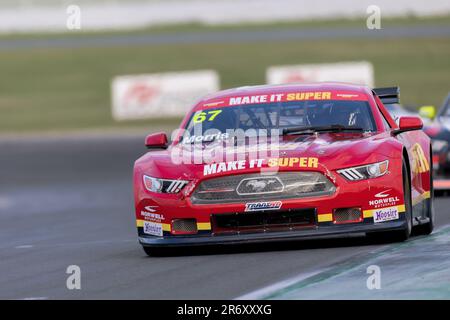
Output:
[[322, 232], [367, 195]]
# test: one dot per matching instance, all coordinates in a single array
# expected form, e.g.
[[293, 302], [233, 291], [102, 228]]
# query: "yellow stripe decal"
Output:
[[327, 217], [421, 197], [203, 226], [166, 226]]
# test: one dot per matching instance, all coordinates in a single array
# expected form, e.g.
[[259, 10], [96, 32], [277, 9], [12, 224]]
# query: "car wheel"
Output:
[[403, 235], [154, 252]]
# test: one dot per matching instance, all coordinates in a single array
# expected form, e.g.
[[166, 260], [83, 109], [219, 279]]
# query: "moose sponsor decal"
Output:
[[386, 214], [153, 228]]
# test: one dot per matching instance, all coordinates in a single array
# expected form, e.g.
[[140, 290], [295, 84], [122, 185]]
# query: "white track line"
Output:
[[270, 289]]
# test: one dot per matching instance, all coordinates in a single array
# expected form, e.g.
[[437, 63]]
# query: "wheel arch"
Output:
[[408, 165]]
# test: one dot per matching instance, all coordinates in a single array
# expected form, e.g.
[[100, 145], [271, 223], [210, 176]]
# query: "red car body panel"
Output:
[[333, 151]]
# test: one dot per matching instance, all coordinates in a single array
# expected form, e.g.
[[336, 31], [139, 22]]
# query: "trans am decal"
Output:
[[262, 206]]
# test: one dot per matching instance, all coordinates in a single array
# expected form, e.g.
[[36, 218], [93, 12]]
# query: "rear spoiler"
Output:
[[388, 95]]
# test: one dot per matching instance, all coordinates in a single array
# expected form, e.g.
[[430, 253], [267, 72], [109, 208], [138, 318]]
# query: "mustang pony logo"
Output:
[[260, 185]]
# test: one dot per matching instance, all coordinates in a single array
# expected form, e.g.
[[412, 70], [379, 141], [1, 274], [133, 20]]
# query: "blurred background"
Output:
[[59, 58]]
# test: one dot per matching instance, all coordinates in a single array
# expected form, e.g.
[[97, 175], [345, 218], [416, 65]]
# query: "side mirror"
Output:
[[156, 141], [409, 124], [428, 112]]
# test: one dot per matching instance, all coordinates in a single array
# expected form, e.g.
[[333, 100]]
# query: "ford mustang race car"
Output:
[[287, 162]]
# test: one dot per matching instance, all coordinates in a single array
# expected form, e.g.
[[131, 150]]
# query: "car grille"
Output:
[[346, 215], [249, 187], [263, 221], [184, 226]]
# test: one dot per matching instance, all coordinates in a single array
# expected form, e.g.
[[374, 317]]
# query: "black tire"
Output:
[[404, 234], [155, 252], [427, 228]]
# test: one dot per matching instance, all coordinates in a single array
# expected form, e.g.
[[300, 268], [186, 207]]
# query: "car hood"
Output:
[[332, 151]]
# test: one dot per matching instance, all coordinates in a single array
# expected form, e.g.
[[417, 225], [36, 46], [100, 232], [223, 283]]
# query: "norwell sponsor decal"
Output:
[[384, 202]]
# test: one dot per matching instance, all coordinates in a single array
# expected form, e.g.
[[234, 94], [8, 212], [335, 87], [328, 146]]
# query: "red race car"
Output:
[[272, 163]]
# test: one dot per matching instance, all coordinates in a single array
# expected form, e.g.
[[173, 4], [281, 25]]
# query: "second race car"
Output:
[[439, 131]]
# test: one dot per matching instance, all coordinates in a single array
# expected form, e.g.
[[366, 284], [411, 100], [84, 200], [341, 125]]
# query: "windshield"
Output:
[[283, 115]]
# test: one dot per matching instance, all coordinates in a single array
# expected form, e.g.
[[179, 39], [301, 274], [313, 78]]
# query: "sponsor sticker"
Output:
[[231, 166], [152, 216], [384, 199], [262, 206], [283, 97], [153, 228], [386, 214], [151, 213], [302, 162], [205, 138]]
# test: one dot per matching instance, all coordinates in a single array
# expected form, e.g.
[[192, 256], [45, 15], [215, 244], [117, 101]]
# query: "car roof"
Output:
[[283, 88]]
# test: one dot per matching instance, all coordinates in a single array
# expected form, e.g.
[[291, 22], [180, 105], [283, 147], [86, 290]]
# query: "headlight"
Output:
[[369, 171], [439, 145], [163, 185]]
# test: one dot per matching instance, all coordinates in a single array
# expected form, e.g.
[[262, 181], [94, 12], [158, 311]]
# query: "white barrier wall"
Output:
[[354, 72], [160, 95]]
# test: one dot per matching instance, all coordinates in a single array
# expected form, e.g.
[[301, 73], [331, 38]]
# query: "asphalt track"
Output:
[[237, 36], [68, 201]]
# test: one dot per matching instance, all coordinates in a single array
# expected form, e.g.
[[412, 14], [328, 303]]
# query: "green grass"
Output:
[[69, 89]]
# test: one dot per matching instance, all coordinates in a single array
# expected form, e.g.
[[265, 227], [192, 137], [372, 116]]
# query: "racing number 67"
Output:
[[202, 116]]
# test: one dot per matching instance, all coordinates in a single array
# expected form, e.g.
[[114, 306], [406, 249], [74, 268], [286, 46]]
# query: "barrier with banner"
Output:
[[353, 72], [160, 95]]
